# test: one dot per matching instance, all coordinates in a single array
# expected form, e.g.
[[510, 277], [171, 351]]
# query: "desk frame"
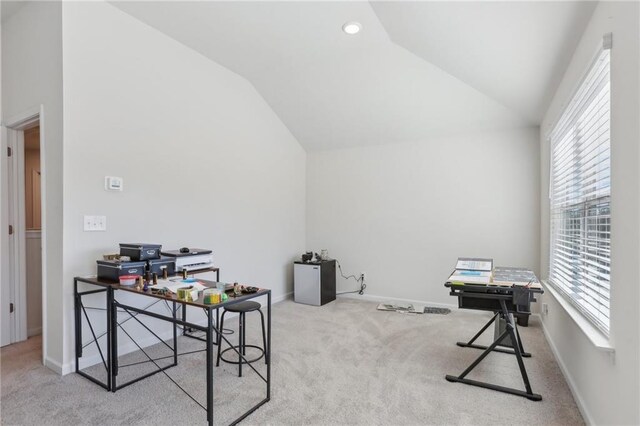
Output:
[[110, 360], [502, 295]]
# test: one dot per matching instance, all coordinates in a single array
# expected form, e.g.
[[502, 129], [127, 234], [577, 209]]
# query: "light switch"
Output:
[[101, 223], [95, 223]]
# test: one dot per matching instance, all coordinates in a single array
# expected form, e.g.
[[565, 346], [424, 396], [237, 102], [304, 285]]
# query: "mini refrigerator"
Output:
[[314, 283]]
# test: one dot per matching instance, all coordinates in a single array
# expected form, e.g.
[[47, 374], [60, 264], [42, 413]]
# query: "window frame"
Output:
[[563, 127]]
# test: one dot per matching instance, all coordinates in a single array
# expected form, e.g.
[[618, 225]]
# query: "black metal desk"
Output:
[[504, 301], [110, 358]]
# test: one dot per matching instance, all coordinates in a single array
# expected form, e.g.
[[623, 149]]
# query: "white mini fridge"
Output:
[[314, 283]]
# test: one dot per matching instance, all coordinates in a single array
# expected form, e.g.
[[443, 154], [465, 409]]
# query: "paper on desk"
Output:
[[471, 279], [175, 285], [474, 264]]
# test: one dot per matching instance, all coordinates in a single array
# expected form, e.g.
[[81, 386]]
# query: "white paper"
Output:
[[175, 285], [471, 279], [475, 264]]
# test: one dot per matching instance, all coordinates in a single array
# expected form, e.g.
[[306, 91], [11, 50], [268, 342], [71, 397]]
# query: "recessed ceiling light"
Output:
[[352, 28]]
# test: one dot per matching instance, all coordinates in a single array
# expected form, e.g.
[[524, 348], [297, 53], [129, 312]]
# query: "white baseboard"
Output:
[[34, 331], [55, 366], [572, 386], [380, 299], [282, 297]]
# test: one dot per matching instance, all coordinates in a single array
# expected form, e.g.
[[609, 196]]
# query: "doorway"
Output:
[[23, 283], [33, 230]]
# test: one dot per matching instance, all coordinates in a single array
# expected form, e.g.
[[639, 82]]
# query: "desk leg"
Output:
[[184, 318], [268, 348], [175, 334], [522, 352], [113, 330], [78, 323], [218, 336], [510, 328], [470, 343], [79, 309], [209, 334], [508, 332], [479, 333]]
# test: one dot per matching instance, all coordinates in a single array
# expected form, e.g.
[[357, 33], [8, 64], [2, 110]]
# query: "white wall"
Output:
[[404, 213], [31, 76], [606, 387], [205, 161]]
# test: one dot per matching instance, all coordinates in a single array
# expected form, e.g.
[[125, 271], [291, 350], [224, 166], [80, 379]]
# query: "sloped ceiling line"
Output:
[[514, 52], [333, 90]]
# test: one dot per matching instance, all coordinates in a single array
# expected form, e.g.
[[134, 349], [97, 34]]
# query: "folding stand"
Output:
[[510, 331], [470, 344]]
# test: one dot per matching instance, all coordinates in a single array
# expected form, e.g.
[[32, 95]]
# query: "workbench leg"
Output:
[[78, 323], [209, 334], [520, 345], [510, 331], [479, 333], [175, 334], [510, 328], [470, 343], [184, 319], [112, 328], [269, 346]]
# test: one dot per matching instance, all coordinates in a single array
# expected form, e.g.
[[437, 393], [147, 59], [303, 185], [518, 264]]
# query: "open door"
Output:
[[13, 286], [13, 270], [6, 324]]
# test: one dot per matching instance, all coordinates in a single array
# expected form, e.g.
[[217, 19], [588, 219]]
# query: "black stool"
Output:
[[242, 308]]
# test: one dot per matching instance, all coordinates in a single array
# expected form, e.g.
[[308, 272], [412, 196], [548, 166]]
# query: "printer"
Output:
[[190, 259]]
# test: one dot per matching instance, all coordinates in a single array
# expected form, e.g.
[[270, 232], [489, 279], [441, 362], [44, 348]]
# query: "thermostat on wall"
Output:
[[113, 183]]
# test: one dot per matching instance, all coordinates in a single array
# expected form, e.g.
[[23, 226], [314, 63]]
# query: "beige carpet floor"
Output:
[[343, 363]]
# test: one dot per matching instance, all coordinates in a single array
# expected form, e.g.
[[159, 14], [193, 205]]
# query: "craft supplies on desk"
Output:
[[188, 294], [212, 296], [173, 286]]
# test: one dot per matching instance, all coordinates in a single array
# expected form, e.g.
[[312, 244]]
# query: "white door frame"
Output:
[[16, 216], [6, 290]]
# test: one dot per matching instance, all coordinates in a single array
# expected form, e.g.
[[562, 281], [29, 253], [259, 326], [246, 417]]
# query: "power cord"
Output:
[[359, 280]]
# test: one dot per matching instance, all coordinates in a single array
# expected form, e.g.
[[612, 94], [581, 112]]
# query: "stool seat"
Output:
[[247, 306]]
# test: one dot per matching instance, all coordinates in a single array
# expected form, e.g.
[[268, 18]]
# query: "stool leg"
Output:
[[240, 342], [220, 338], [264, 338], [244, 334]]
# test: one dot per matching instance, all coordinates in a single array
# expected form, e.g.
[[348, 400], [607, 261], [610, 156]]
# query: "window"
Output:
[[579, 194]]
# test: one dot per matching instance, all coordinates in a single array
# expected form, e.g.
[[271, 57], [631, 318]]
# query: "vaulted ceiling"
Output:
[[415, 71], [9, 8], [514, 51]]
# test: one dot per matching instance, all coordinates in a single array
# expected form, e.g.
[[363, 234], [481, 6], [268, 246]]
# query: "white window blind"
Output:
[[580, 196]]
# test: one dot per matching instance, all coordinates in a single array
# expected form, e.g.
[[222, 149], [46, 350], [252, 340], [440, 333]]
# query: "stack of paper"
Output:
[[402, 308], [175, 285], [515, 276], [472, 270]]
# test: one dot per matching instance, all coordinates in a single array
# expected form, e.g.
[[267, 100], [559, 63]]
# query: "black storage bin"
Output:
[[158, 265], [114, 269], [140, 251]]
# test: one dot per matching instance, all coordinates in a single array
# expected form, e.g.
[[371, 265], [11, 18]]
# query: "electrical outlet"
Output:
[[545, 309], [362, 275]]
